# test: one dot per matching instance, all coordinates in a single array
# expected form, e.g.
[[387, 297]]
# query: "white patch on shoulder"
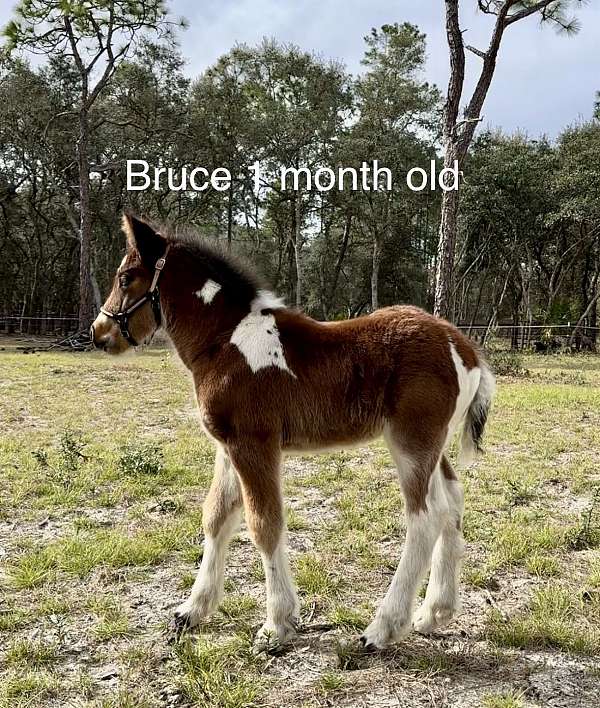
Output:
[[208, 291], [257, 338], [266, 300]]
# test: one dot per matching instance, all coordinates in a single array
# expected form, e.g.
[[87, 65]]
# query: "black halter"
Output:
[[152, 296]]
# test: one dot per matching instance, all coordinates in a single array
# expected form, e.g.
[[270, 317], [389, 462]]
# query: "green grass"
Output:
[[502, 700], [542, 566], [555, 618], [222, 674], [32, 654], [314, 578], [82, 553], [349, 618], [331, 681], [23, 689], [103, 470], [112, 621], [516, 542], [239, 607]]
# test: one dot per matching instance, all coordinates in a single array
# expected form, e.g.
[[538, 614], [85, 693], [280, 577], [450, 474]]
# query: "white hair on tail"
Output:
[[477, 415], [468, 381]]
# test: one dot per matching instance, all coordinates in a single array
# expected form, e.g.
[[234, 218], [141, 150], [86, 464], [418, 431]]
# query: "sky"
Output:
[[543, 81]]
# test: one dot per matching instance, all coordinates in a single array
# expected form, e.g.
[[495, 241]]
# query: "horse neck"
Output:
[[194, 328]]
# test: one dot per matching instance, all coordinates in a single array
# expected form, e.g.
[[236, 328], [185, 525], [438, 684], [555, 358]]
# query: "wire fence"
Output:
[[535, 337], [59, 325]]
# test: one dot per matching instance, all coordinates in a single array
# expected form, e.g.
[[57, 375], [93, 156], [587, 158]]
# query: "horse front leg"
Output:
[[221, 515], [259, 467]]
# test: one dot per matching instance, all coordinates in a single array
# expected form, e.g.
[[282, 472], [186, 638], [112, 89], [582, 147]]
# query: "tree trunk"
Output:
[[446, 246], [340, 259], [298, 249], [458, 136], [86, 294], [581, 320], [229, 217], [377, 250]]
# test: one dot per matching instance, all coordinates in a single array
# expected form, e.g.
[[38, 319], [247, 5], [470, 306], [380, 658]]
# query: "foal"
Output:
[[270, 380]]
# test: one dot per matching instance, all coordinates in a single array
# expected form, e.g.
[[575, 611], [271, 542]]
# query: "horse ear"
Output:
[[143, 238]]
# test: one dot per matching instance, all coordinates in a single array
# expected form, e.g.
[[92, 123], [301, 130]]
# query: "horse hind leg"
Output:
[[426, 512], [441, 598]]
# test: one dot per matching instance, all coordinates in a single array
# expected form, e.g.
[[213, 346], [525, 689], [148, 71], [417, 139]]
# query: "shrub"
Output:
[[507, 363], [141, 459]]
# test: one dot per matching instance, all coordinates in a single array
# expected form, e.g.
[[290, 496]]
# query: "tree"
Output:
[[394, 105], [94, 36], [458, 134], [299, 104]]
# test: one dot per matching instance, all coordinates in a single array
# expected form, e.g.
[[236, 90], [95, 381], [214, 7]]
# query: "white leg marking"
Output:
[[208, 291], [207, 590], [393, 618], [441, 599], [283, 608], [257, 338]]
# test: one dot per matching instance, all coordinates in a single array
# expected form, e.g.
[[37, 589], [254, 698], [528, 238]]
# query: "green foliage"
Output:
[[141, 459], [507, 363], [586, 534]]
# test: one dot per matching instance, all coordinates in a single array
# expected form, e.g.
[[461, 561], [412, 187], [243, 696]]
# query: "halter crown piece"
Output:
[[152, 296]]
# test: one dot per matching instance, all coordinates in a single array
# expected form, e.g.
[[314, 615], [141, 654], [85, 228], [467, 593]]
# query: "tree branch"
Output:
[[527, 11], [457, 68], [476, 51], [76, 55], [473, 109]]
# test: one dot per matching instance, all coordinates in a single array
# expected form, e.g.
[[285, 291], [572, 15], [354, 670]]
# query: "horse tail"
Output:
[[477, 414]]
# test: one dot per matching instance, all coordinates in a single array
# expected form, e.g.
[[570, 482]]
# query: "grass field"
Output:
[[102, 473]]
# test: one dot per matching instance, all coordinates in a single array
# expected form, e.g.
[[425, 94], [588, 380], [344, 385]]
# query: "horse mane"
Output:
[[211, 258]]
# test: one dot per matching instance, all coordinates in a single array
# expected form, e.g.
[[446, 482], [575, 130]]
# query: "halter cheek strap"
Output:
[[152, 296]]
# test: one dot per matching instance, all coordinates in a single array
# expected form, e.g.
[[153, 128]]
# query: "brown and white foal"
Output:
[[270, 380]]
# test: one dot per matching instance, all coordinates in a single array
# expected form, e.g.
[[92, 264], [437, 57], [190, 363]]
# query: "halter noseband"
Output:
[[152, 296]]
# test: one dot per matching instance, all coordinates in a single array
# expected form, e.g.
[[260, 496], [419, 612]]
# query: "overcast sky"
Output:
[[543, 82]]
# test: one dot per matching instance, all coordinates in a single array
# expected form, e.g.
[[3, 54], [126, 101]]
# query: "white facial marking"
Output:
[[266, 300], [102, 319], [208, 291], [257, 338]]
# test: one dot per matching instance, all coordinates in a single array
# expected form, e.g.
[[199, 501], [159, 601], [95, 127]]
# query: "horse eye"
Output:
[[125, 280]]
